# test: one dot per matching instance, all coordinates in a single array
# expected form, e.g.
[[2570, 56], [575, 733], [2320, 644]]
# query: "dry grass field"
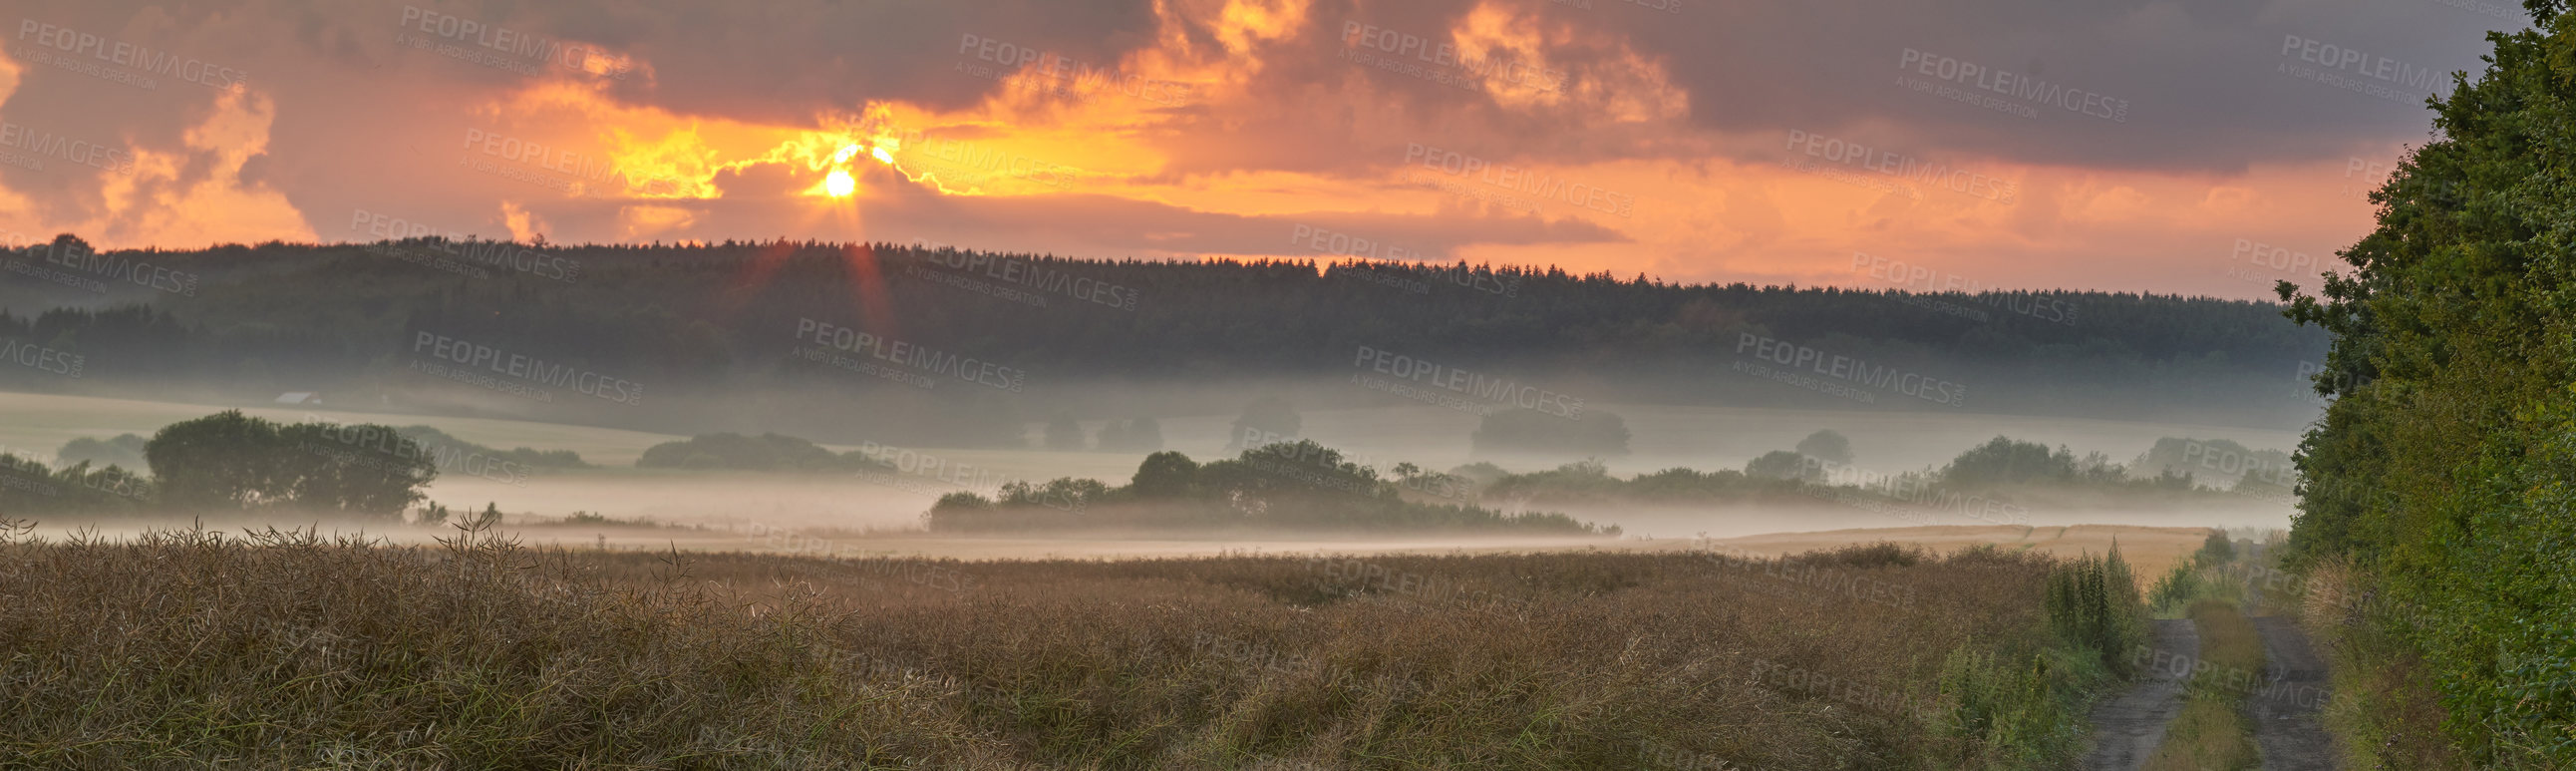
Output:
[[2151, 550], [281, 650]]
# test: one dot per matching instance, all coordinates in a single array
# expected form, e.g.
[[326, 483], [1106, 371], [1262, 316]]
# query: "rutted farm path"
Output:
[[2286, 725], [2127, 729]]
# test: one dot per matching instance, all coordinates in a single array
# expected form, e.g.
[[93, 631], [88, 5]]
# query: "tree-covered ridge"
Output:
[[681, 317], [2438, 485]]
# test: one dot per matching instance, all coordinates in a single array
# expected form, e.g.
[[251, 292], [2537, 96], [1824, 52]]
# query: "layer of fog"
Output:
[[1369, 427]]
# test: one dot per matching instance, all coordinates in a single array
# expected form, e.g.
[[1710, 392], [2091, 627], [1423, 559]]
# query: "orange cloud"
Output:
[[1610, 136]]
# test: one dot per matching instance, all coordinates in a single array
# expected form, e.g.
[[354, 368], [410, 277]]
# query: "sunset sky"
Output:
[[2203, 147]]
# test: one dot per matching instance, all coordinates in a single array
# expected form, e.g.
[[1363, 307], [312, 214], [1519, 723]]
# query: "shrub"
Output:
[[2093, 606]]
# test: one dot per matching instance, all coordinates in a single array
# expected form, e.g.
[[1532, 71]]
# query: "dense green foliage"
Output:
[[2002, 461], [2444, 471], [233, 461], [2093, 606], [1289, 485], [28, 487], [2030, 703]]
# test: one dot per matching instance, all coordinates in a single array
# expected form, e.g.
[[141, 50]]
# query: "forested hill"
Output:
[[695, 319]]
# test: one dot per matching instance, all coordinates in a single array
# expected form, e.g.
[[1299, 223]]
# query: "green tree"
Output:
[[233, 461], [362, 468], [2442, 469], [1165, 474], [2215, 550], [227, 460], [2002, 461], [27, 486]]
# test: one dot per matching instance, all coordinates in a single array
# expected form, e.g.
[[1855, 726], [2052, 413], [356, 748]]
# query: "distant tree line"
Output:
[[1301, 486], [2001, 469], [709, 319], [230, 462]]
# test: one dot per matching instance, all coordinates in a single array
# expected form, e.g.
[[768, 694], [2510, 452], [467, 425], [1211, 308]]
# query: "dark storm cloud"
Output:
[[2200, 85], [782, 62], [2185, 86]]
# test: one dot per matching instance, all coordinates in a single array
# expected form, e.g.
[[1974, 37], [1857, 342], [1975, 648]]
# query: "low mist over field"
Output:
[[894, 497]]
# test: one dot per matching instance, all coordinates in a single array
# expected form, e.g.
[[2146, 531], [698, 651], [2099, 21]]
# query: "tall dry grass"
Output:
[[280, 649], [286, 650]]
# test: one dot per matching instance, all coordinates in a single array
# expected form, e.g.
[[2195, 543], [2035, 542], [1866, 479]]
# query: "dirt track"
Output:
[[2285, 711], [2127, 729]]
